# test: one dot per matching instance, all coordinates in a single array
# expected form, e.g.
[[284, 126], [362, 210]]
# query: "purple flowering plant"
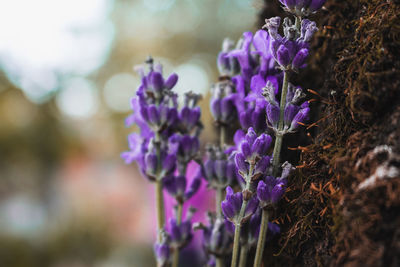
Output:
[[253, 99]]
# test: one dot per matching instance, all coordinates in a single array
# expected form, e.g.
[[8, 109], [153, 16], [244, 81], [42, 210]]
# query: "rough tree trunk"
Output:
[[343, 204]]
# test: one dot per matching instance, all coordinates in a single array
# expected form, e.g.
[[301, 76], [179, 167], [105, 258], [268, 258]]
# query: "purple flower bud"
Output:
[[227, 109], [162, 252], [261, 145], [185, 115], [232, 204], [263, 192], [250, 136], [171, 81], [252, 206], [228, 210], [316, 4], [273, 229], [258, 119], [283, 56], [156, 81], [290, 111], [273, 114], [262, 165], [270, 191], [180, 234], [272, 24], [175, 185], [217, 239], [244, 118], [245, 149], [168, 163], [216, 108], [208, 170], [277, 192], [220, 169], [308, 28], [154, 116], [194, 187], [288, 3], [287, 168], [301, 117], [241, 163], [300, 59], [172, 116], [151, 163]]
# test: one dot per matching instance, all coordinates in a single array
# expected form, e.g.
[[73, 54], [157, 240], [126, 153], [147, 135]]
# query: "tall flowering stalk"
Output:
[[168, 141], [253, 99], [285, 110], [290, 52]]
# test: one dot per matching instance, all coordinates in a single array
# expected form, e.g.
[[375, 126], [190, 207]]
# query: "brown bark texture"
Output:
[[342, 207]]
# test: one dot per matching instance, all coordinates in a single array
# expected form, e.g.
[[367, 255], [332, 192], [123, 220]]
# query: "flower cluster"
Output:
[[167, 143], [295, 111], [254, 106], [291, 50]]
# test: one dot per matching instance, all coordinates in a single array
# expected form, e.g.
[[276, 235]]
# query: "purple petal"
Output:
[[283, 56], [171, 81], [156, 81], [300, 59]]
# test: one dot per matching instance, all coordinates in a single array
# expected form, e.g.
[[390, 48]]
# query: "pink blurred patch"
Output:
[[203, 201]]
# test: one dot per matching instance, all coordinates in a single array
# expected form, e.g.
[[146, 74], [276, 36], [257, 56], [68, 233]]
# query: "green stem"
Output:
[[238, 223], [244, 251], [219, 262], [279, 135], [160, 209], [175, 256], [236, 239], [219, 194], [222, 136], [261, 239]]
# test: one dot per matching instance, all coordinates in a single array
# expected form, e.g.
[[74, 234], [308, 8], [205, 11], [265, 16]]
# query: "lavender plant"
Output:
[[252, 99]]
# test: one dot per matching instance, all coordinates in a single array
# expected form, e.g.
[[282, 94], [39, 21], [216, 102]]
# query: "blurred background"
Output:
[[66, 78]]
